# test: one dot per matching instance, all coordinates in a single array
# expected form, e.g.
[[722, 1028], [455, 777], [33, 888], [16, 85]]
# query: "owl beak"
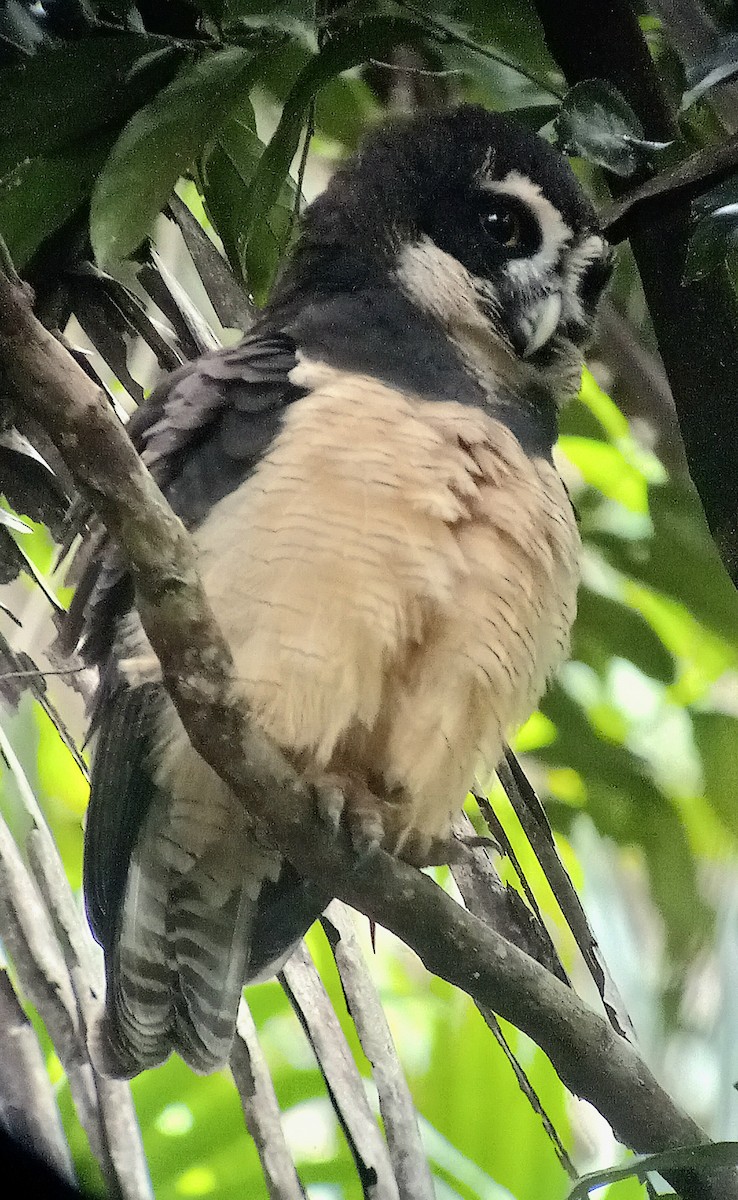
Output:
[[540, 324]]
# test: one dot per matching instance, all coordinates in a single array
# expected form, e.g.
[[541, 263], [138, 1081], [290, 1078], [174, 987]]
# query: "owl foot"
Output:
[[343, 801], [422, 851]]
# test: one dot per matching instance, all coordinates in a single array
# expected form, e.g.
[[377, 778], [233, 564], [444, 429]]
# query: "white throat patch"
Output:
[[439, 285]]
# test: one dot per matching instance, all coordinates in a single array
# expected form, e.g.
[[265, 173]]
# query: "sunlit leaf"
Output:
[[627, 806], [605, 628], [679, 559], [606, 468], [703, 655], [603, 407], [716, 735]]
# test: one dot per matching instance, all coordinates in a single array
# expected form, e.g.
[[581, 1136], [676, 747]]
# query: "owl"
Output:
[[384, 539]]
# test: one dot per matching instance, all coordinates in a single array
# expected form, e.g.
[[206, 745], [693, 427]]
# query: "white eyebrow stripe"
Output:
[[555, 233]]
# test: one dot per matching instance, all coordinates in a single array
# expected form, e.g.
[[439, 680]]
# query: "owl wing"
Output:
[[183, 913]]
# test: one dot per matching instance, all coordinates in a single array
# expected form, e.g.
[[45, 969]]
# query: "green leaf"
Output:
[[534, 116], [158, 144], [228, 169], [718, 67], [713, 237], [703, 655], [596, 122], [605, 628], [626, 805], [604, 408], [716, 735], [679, 560], [67, 91], [344, 104], [606, 468], [40, 194], [714, 1154], [343, 109], [364, 39], [225, 197], [259, 256]]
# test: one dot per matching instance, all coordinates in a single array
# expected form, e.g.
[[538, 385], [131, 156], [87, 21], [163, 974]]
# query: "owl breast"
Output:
[[397, 581]]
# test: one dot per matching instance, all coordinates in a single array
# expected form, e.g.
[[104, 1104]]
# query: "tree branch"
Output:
[[690, 178], [696, 323], [590, 1058], [52, 951], [320, 1024], [261, 1110], [399, 1117], [27, 1103]]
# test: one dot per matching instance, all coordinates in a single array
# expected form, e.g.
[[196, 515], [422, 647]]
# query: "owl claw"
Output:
[[343, 801], [373, 823], [329, 800], [442, 851]]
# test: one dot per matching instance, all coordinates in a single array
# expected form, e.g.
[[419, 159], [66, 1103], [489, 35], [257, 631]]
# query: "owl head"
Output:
[[481, 223]]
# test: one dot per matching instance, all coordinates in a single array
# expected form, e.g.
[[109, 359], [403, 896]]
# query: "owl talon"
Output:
[[443, 851], [349, 803], [422, 851], [479, 841], [367, 833], [372, 823], [330, 804]]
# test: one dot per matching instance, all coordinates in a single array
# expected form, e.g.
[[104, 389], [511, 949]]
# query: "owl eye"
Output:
[[502, 224]]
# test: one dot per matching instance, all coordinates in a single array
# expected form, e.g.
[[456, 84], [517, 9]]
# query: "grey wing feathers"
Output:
[[180, 930], [201, 432], [111, 829]]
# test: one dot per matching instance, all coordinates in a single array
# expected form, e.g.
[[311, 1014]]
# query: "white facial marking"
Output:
[[468, 306], [555, 233], [464, 305], [577, 261], [439, 284]]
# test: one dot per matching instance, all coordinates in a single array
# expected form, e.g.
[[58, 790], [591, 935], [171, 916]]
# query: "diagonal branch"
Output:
[[312, 1006], [52, 951], [591, 1059], [27, 1102], [692, 177]]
